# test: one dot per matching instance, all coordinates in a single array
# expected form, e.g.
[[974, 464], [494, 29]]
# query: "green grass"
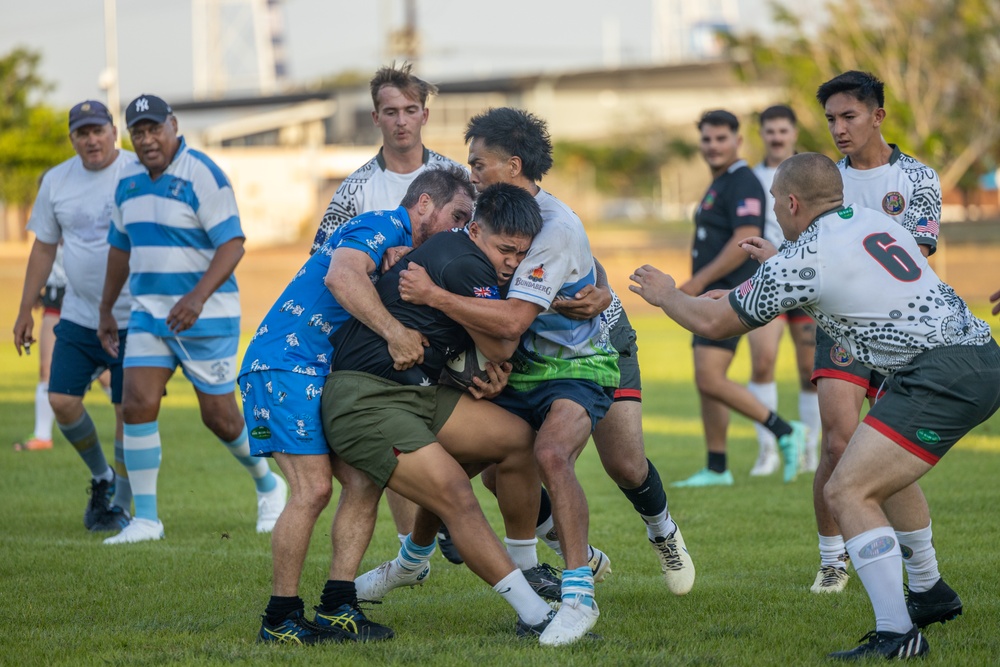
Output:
[[196, 597]]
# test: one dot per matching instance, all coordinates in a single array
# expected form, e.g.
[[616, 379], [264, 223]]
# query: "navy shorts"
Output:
[[78, 358], [533, 406]]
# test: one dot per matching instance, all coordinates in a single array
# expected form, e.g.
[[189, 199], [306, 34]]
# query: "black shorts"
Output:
[[726, 343], [835, 361], [623, 337], [51, 299], [937, 398]]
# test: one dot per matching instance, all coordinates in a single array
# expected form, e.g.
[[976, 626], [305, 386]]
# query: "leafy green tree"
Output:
[[939, 59], [32, 135]]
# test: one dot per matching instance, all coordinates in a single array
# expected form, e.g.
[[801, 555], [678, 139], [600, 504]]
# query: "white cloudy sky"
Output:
[[461, 39]]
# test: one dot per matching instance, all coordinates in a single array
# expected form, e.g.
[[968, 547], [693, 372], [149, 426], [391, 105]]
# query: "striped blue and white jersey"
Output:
[[171, 228]]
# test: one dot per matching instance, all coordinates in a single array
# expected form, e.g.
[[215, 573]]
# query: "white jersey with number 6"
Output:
[[867, 285]]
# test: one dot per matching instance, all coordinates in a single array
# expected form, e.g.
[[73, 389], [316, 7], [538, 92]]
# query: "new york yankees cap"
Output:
[[147, 107]]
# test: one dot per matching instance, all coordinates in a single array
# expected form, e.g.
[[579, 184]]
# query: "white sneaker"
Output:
[[138, 530], [767, 464], [675, 562], [830, 579], [571, 622], [599, 564], [373, 585], [270, 505]]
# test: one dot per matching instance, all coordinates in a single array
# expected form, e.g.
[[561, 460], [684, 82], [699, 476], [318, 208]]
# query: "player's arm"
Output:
[[503, 318], [114, 280], [995, 299], [188, 308], [923, 215], [40, 262], [707, 317], [727, 261], [348, 280], [590, 301]]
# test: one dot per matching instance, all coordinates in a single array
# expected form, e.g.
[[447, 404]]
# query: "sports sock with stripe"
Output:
[[123, 487], [257, 466], [412, 556], [142, 458], [82, 434]]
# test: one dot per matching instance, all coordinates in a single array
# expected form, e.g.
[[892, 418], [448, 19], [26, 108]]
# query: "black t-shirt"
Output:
[[453, 262], [735, 199]]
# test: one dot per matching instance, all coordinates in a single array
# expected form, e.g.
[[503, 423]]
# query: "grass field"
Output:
[[196, 598]]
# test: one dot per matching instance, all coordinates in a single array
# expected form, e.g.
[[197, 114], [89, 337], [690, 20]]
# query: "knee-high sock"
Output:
[[257, 466], [82, 434], [878, 561], [766, 393], [123, 487], [809, 415], [142, 458], [650, 501], [43, 412], [919, 558]]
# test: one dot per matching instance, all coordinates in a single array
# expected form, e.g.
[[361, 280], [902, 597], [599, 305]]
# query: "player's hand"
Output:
[[415, 285], [107, 333], [393, 255], [715, 294], [586, 304], [758, 248], [407, 348], [498, 376], [652, 284], [185, 313], [995, 299], [23, 337]]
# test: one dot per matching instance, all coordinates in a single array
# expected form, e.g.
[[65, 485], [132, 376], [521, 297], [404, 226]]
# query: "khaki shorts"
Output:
[[369, 420]]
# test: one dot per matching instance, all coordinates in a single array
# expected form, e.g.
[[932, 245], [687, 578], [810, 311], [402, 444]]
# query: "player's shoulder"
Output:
[[556, 211], [196, 164], [743, 175], [436, 160], [364, 173], [911, 165]]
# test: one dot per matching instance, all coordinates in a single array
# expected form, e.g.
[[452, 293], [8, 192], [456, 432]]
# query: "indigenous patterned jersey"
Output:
[[558, 265], [734, 199], [171, 228], [906, 190], [850, 253], [294, 334], [453, 261], [74, 205], [371, 188]]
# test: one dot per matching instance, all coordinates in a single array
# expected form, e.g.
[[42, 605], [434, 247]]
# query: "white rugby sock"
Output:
[[921, 565], [516, 590], [524, 553], [809, 415], [831, 548], [877, 560], [44, 417], [766, 393]]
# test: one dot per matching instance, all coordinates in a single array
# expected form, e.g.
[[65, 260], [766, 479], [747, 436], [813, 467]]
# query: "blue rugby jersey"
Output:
[[294, 334], [171, 228]]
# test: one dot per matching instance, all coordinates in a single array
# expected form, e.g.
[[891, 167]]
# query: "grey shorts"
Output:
[[368, 420], [623, 338], [835, 361], [937, 398]]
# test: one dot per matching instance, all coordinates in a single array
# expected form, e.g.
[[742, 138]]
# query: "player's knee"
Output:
[[312, 497], [552, 459], [66, 408], [225, 424]]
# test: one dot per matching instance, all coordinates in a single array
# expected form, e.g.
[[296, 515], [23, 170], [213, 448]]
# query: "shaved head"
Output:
[[813, 178]]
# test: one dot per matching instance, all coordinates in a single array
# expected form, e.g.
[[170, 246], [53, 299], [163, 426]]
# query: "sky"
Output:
[[461, 40]]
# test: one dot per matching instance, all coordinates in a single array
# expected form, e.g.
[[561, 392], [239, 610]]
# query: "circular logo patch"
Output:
[[893, 203], [261, 433], [840, 355], [928, 436]]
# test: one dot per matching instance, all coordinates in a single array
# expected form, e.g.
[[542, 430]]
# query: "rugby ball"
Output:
[[460, 370]]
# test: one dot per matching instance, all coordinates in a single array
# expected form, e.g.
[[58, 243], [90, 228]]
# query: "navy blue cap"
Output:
[[90, 112], [147, 107]]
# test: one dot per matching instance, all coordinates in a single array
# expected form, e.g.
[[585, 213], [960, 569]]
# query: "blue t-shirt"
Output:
[[294, 334]]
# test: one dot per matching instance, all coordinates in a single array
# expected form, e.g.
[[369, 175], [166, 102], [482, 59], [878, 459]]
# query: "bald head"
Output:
[[814, 180]]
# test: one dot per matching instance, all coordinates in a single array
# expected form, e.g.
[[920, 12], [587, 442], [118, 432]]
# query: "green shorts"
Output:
[[937, 398], [369, 420]]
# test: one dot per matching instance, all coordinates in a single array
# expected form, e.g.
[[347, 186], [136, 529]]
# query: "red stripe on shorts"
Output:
[[900, 440]]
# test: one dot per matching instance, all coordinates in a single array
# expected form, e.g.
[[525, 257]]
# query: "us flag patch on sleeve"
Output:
[[928, 226], [745, 288], [749, 206]]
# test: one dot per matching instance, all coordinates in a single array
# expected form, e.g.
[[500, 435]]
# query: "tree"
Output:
[[32, 135], [939, 59]]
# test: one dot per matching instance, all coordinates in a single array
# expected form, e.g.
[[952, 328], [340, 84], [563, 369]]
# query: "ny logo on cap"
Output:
[[141, 104]]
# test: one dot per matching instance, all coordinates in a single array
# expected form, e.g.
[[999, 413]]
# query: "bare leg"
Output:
[[354, 521], [309, 479], [839, 405]]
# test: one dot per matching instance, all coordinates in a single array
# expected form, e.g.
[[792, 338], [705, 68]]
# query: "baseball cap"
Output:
[[147, 107], [90, 112]]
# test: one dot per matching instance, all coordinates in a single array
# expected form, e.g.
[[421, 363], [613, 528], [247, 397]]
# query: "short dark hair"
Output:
[[441, 184], [778, 111], [402, 78], [862, 86], [517, 133], [718, 118], [507, 209]]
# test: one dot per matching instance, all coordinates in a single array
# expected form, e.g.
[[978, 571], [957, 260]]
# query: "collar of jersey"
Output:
[[381, 160]]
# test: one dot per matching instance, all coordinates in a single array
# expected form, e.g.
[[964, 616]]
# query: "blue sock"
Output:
[[142, 458], [579, 583], [263, 478], [411, 555]]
